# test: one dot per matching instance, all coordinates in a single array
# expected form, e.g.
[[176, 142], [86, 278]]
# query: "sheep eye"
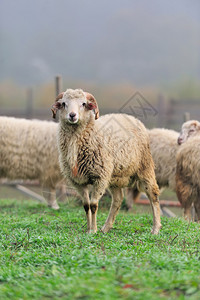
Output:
[[63, 104], [84, 104], [191, 130]]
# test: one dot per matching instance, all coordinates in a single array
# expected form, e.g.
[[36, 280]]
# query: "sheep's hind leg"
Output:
[[132, 195], [117, 197], [152, 191], [155, 204], [184, 194]]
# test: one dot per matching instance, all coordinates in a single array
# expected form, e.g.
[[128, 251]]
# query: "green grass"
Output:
[[47, 255]]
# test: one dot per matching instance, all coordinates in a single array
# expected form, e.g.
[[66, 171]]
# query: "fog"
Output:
[[137, 42]]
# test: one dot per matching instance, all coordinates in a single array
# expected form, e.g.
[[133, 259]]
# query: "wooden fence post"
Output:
[[186, 116], [58, 85], [29, 103], [161, 111], [58, 90]]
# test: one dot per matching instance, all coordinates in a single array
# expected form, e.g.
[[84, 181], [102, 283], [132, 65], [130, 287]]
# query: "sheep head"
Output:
[[75, 105], [189, 128]]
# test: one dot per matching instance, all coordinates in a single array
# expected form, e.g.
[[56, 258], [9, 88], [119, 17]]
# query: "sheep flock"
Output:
[[28, 150], [95, 154]]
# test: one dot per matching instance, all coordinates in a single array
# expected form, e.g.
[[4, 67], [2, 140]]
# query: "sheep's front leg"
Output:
[[117, 197], [197, 209], [97, 193], [50, 195], [84, 193]]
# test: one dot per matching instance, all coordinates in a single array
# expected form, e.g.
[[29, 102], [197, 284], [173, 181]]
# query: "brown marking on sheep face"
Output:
[[93, 208], [194, 124], [86, 207], [75, 170]]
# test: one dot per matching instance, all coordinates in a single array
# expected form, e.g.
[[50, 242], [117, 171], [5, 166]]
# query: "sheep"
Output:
[[189, 129], [163, 146], [28, 150], [107, 152], [188, 166]]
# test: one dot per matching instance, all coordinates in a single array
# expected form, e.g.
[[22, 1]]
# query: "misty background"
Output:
[[112, 49]]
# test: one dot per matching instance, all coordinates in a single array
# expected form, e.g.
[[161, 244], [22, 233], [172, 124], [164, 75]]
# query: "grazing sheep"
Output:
[[111, 152], [188, 168], [28, 150], [163, 146]]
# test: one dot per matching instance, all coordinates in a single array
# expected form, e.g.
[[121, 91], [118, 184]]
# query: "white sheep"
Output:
[[188, 168], [163, 146], [189, 129], [111, 152], [28, 150]]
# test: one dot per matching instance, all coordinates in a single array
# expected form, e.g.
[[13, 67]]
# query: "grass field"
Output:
[[47, 255]]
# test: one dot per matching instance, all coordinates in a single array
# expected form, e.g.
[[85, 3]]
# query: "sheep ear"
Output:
[[54, 109], [56, 105], [92, 104], [196, 124]]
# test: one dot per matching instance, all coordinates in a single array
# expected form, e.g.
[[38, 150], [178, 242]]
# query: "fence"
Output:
[[171, 114], [29, 112]]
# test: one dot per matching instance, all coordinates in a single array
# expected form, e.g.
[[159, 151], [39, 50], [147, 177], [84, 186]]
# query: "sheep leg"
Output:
[[117, 197], [184, 194], [97, 192], [197, 208], [132, 194], [84, 193], [154, 200], [187, 211], [152, 191], [87, 208], [50, 196], [62, 192], [129, 198]]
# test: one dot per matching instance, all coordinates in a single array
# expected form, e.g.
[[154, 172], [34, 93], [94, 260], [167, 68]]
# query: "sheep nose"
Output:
[[72, 115], [180, 140]]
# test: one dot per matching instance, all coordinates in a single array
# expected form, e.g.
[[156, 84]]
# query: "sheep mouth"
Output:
[[73, 120]]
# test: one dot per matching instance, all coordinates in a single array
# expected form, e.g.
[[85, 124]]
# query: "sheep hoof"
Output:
[[105, 228], [55, 206], [156, 230], [90, 231]]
